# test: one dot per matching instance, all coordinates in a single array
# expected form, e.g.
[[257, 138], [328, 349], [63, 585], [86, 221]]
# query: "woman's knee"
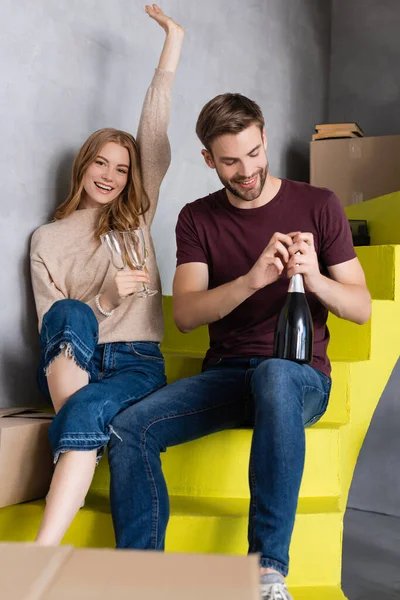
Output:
[[70, 312], [69, 323]]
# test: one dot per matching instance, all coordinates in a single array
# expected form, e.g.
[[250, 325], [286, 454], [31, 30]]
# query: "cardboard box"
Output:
[[356, 169], [29, 572], [26, 461]]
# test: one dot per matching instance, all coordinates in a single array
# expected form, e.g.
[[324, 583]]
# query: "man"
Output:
[[236, 249]]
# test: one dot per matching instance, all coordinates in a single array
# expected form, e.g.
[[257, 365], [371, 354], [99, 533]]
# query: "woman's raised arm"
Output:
[[152, 132], [171, 51]]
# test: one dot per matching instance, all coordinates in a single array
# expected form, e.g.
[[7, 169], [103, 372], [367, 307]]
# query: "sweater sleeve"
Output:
[[45, 290], [152, 137]]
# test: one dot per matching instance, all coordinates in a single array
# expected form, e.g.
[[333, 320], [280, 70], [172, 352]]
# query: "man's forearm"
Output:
[[193, 309], [345, 300]]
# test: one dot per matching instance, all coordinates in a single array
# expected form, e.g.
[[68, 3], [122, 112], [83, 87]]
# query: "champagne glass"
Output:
[[136, 251], [113, 243]]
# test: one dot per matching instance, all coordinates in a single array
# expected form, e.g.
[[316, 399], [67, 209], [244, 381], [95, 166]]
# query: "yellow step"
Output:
[[217, 466], [353, 343], [383, 216], [379, 265], [199, 525], [317, 593]]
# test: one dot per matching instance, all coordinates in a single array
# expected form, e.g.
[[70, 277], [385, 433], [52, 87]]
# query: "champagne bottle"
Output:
[[294, 333]]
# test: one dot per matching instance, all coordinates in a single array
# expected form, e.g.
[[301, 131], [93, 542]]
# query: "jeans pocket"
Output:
[[146, 350], [315, 418], [212, 363]]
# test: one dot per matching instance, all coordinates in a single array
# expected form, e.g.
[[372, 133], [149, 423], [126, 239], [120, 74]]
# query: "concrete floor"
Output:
[[371, 556]]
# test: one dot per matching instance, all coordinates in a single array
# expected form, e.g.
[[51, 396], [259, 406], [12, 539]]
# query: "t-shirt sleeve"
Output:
[[336, 239], [188, 244]]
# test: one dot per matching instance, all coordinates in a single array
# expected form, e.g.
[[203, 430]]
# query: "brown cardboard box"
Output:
[[356, 169], [25, 455], [29, 572]]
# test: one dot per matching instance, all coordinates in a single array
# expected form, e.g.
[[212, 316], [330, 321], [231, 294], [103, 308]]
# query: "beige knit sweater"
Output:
[[68, 262]]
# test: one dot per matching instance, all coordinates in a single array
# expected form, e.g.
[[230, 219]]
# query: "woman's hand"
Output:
[[123, 285], [171, 51], [165, 22]]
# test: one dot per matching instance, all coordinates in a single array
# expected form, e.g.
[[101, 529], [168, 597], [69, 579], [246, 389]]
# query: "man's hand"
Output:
[[271, 263], [304, 259]]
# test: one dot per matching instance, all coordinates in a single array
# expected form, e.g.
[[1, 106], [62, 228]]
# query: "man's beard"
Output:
[[247, 195]]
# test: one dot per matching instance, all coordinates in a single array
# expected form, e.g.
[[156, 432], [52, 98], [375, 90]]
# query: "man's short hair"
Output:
[[227, 113]]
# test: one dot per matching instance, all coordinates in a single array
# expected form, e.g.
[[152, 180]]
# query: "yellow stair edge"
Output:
[[379, 265], [239, 507], [382, 215], [317, 593], [217, 465], [97, 501], [197, 529], [356, 343]]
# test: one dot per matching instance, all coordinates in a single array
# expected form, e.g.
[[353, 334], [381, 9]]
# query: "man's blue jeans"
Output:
[[279, 398], [120, 373]]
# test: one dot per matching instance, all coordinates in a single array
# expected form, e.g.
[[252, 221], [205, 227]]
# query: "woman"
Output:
[[100, 343]]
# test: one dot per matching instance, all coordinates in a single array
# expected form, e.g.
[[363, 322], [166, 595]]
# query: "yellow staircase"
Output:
[[207, 479]]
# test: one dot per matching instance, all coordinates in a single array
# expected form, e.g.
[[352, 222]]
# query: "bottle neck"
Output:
[[296, 284]]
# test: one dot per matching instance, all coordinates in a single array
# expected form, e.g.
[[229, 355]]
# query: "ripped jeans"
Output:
[[120, 374]]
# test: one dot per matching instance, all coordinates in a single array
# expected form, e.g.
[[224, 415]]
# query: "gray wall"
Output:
[[365, 65], [72, 67]]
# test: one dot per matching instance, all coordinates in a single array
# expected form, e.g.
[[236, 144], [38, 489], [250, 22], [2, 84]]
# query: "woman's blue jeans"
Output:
[[120, 374], [278, 397]]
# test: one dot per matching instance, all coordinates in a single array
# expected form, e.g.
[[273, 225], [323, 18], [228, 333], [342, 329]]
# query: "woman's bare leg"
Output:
[[74, 470]]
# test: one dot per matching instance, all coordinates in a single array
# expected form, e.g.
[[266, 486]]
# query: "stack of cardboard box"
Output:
[[355, 167], [337, 130], [26, 462], [30, 572]]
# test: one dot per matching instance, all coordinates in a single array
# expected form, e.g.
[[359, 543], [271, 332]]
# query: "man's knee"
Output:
[[277, 371], [132, 421], [276, 383]]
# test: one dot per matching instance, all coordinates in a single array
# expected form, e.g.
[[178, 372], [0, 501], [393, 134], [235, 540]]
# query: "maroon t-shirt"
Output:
[[230, 240]]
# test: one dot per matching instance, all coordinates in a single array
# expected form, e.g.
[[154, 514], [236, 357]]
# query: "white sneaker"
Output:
[[273, 587]]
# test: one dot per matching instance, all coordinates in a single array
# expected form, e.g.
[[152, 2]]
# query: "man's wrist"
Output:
[[317, 284], [244, 287]]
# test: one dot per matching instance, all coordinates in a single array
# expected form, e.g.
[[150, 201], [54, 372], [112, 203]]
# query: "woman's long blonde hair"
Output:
[[123, 212]]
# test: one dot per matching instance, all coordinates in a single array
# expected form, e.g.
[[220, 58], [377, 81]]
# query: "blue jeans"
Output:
[[279, 398], [120, 374]]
